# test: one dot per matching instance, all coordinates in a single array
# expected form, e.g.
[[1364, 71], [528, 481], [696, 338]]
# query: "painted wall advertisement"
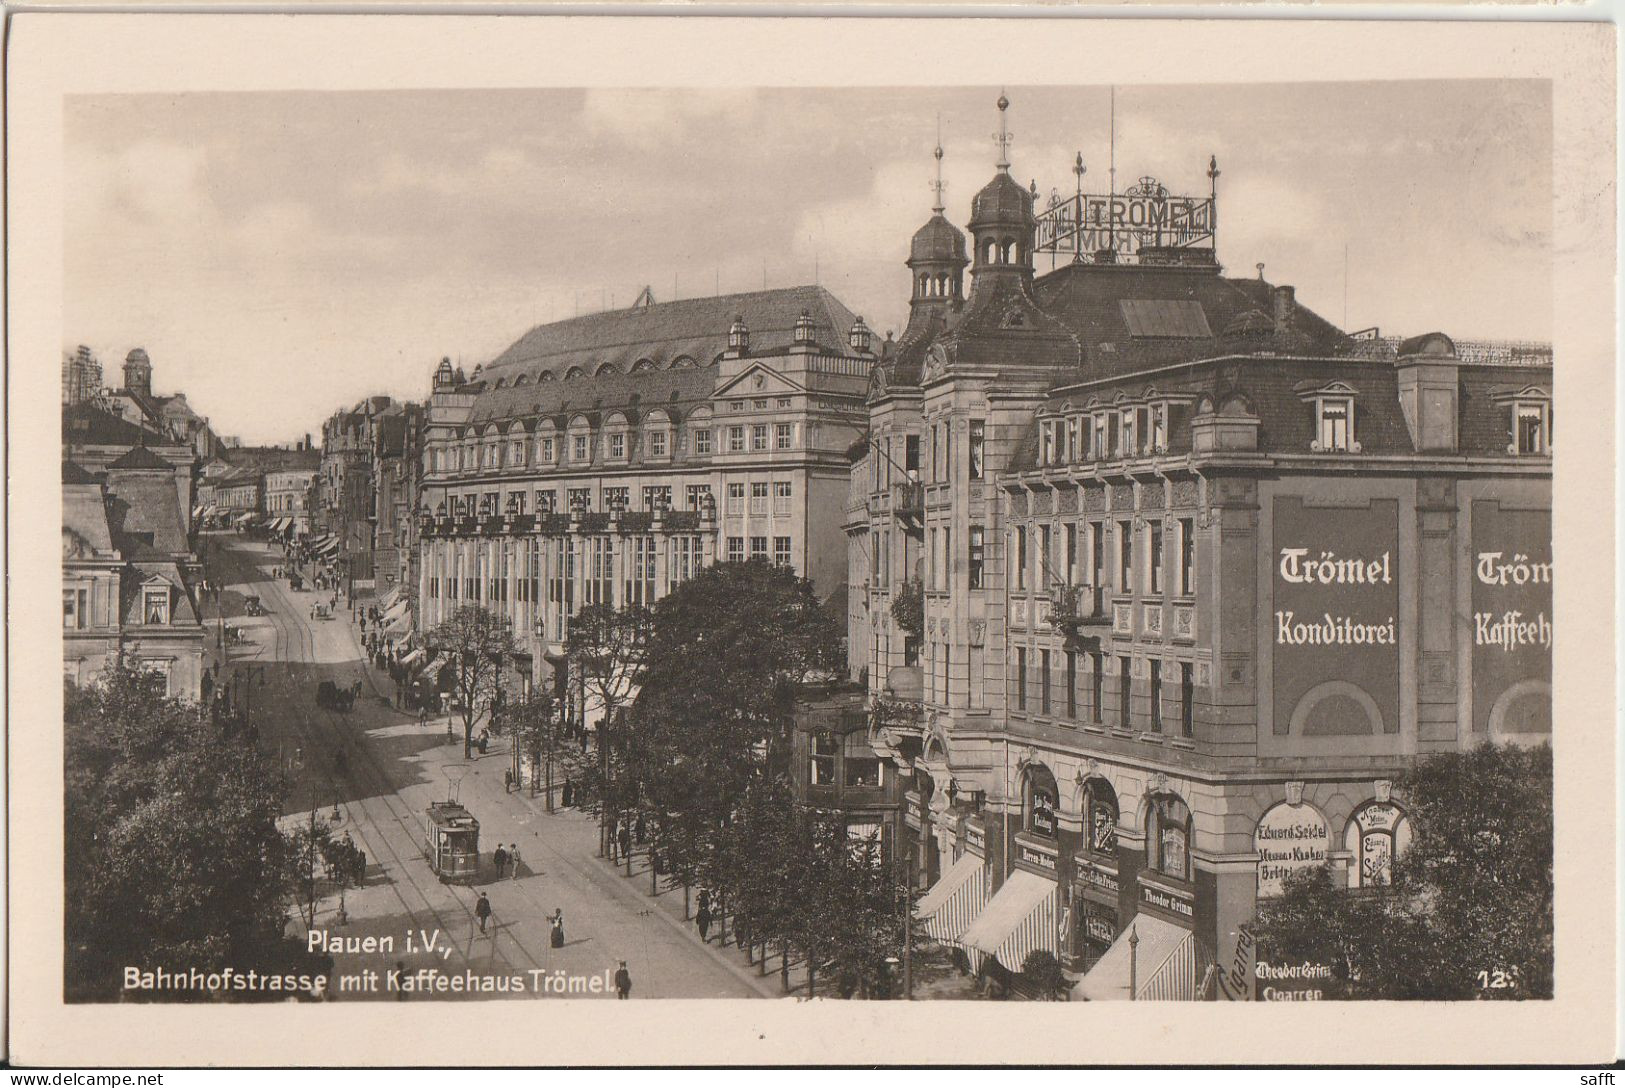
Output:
[[1335, 617], [1289, 838], [1512, 619]]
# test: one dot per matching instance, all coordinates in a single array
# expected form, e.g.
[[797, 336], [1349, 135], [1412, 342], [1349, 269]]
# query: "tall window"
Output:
[[1071, 684], [578, 449], [696, 494], [911, 453], [1335, 426], [155, 605], [1123, 678], [1187, 557], [1043, 681], [1097, 553], [1167, 839], [1021, 678], [758, 547], [1021, 557], [821, 769], [1047, 453], [781, 498], [657, 497], [702, 442], [1046, 555], [1097, 687], [657, 443], [781, 551], [1187, 695], [736, 439], [976, 556], [75, 609], [758, 436], [781, 436], [1071, 557], [1125, 557], [736, 499], [758, 499], [1154, 567], [1159, 428], [1156, 696], [977, 440], [736, 549]]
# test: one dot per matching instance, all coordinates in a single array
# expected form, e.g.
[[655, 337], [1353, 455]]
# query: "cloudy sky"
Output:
[[282, 254]]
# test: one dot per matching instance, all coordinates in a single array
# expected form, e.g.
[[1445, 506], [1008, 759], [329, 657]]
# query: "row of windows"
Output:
[[1036, 690], [782, 493], [584, 569], [1084, 556], [758, 549], [603, 370], [579, 499], [912, 457], [577, 448], [1137, 431]]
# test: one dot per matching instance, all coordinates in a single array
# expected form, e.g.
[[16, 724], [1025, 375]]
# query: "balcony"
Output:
[[908, 505], [1078, 611]]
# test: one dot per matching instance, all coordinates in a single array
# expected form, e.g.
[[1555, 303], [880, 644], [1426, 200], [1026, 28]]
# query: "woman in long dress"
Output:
[[557, 939]]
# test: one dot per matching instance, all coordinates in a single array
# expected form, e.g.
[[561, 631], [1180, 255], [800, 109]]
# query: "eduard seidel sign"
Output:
[[1288, 838]]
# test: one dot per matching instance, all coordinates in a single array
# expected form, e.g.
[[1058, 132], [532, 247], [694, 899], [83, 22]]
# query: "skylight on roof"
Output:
[[1165, 318]]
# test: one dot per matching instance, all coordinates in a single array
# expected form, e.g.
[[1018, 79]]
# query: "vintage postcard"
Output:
[[818, 515]]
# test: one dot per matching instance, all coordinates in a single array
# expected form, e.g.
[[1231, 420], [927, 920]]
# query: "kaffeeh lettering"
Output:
[[1510, 630]]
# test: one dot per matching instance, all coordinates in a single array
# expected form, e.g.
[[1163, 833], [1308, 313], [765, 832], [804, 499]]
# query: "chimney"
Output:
[[1284, 301]]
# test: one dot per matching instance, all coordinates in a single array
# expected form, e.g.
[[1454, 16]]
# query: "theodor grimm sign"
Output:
[[1334, 614]]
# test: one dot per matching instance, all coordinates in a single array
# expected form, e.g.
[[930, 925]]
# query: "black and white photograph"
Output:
[[1014, 540]]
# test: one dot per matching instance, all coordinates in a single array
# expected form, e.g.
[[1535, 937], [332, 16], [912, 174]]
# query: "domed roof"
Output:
[[137, 356], [938, 240], [1002, 200]]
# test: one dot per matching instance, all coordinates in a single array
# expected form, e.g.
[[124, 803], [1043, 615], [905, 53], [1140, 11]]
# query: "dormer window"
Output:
[[1159, 428], [155, 605], [1047, 452], [1333, 417], [1334, 424], [1530, 421], [617, 445]]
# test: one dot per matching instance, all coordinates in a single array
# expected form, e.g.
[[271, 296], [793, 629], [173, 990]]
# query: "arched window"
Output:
[[1377, 833], [523, 379], [607, 370], [545, 376], [1006, 250], [1039, 799], [573, 373], [1100, 817], [642, 365], [989, 248], [1168, 836], [925, 285], [501, 382]]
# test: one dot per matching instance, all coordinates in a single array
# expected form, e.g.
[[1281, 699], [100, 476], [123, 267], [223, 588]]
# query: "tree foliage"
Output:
[[1469, 913], [476, 642], [173, 855]]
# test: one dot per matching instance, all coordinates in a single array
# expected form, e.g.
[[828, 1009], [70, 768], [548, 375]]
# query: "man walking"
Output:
[[513, 858], [623, 982], [482, 911], [702, 919], [501, 858]]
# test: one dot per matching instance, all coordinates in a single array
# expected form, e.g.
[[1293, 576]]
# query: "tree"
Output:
[[540, 735], [1042, 971], [608, 648], [173, 854], [1469, 912], [476, 642]]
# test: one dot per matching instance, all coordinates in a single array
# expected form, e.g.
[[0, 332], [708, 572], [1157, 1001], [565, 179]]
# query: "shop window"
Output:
[[1100, 804], [821, 767], [1377, 833], [1168, 834]]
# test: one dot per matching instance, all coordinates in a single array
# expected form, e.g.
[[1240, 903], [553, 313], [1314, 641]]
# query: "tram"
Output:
[[451, 842]]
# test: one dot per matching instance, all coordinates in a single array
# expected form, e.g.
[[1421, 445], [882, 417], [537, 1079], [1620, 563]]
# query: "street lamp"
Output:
[[1133, 962]]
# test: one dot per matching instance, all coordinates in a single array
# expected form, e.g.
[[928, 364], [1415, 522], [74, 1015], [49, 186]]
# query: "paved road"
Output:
[[390, 770]]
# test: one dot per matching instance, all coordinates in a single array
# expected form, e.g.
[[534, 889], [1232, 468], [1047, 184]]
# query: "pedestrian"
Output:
[[642, 829], [702, 919], [423, 717], [513, 858], [569, 793], [705, 900], [484, 740], [501, 858], [626, 842], [482, 911], [623, 982], [556, 940]]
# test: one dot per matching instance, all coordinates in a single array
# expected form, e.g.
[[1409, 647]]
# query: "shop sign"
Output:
[[975, 840], [1043, 820], [1039, 858], [1099, 926], [1179, 904], [1234, 984], [1097, 879], [1377, 834], [1289, 838], [1334, 611], [1290, 979], [1512, 609]]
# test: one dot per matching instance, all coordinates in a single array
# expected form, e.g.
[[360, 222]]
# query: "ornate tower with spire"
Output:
[[936, 257], [1001, 222]]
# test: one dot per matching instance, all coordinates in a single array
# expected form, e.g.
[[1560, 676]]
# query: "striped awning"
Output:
[[955, 899], [401, 624], [391, 599], [1019, 919], [328, 547], [396, 611], [1164, 964], [413, 658]]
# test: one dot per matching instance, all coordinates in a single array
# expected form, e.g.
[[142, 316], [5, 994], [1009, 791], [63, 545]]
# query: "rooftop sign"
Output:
[[1146, 216]]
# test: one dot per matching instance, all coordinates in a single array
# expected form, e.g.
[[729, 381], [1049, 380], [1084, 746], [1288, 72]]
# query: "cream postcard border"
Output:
[[52, 55]]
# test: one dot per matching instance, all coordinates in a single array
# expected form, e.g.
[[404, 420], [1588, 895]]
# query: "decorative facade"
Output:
[[1201, 575], [608, 458]]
